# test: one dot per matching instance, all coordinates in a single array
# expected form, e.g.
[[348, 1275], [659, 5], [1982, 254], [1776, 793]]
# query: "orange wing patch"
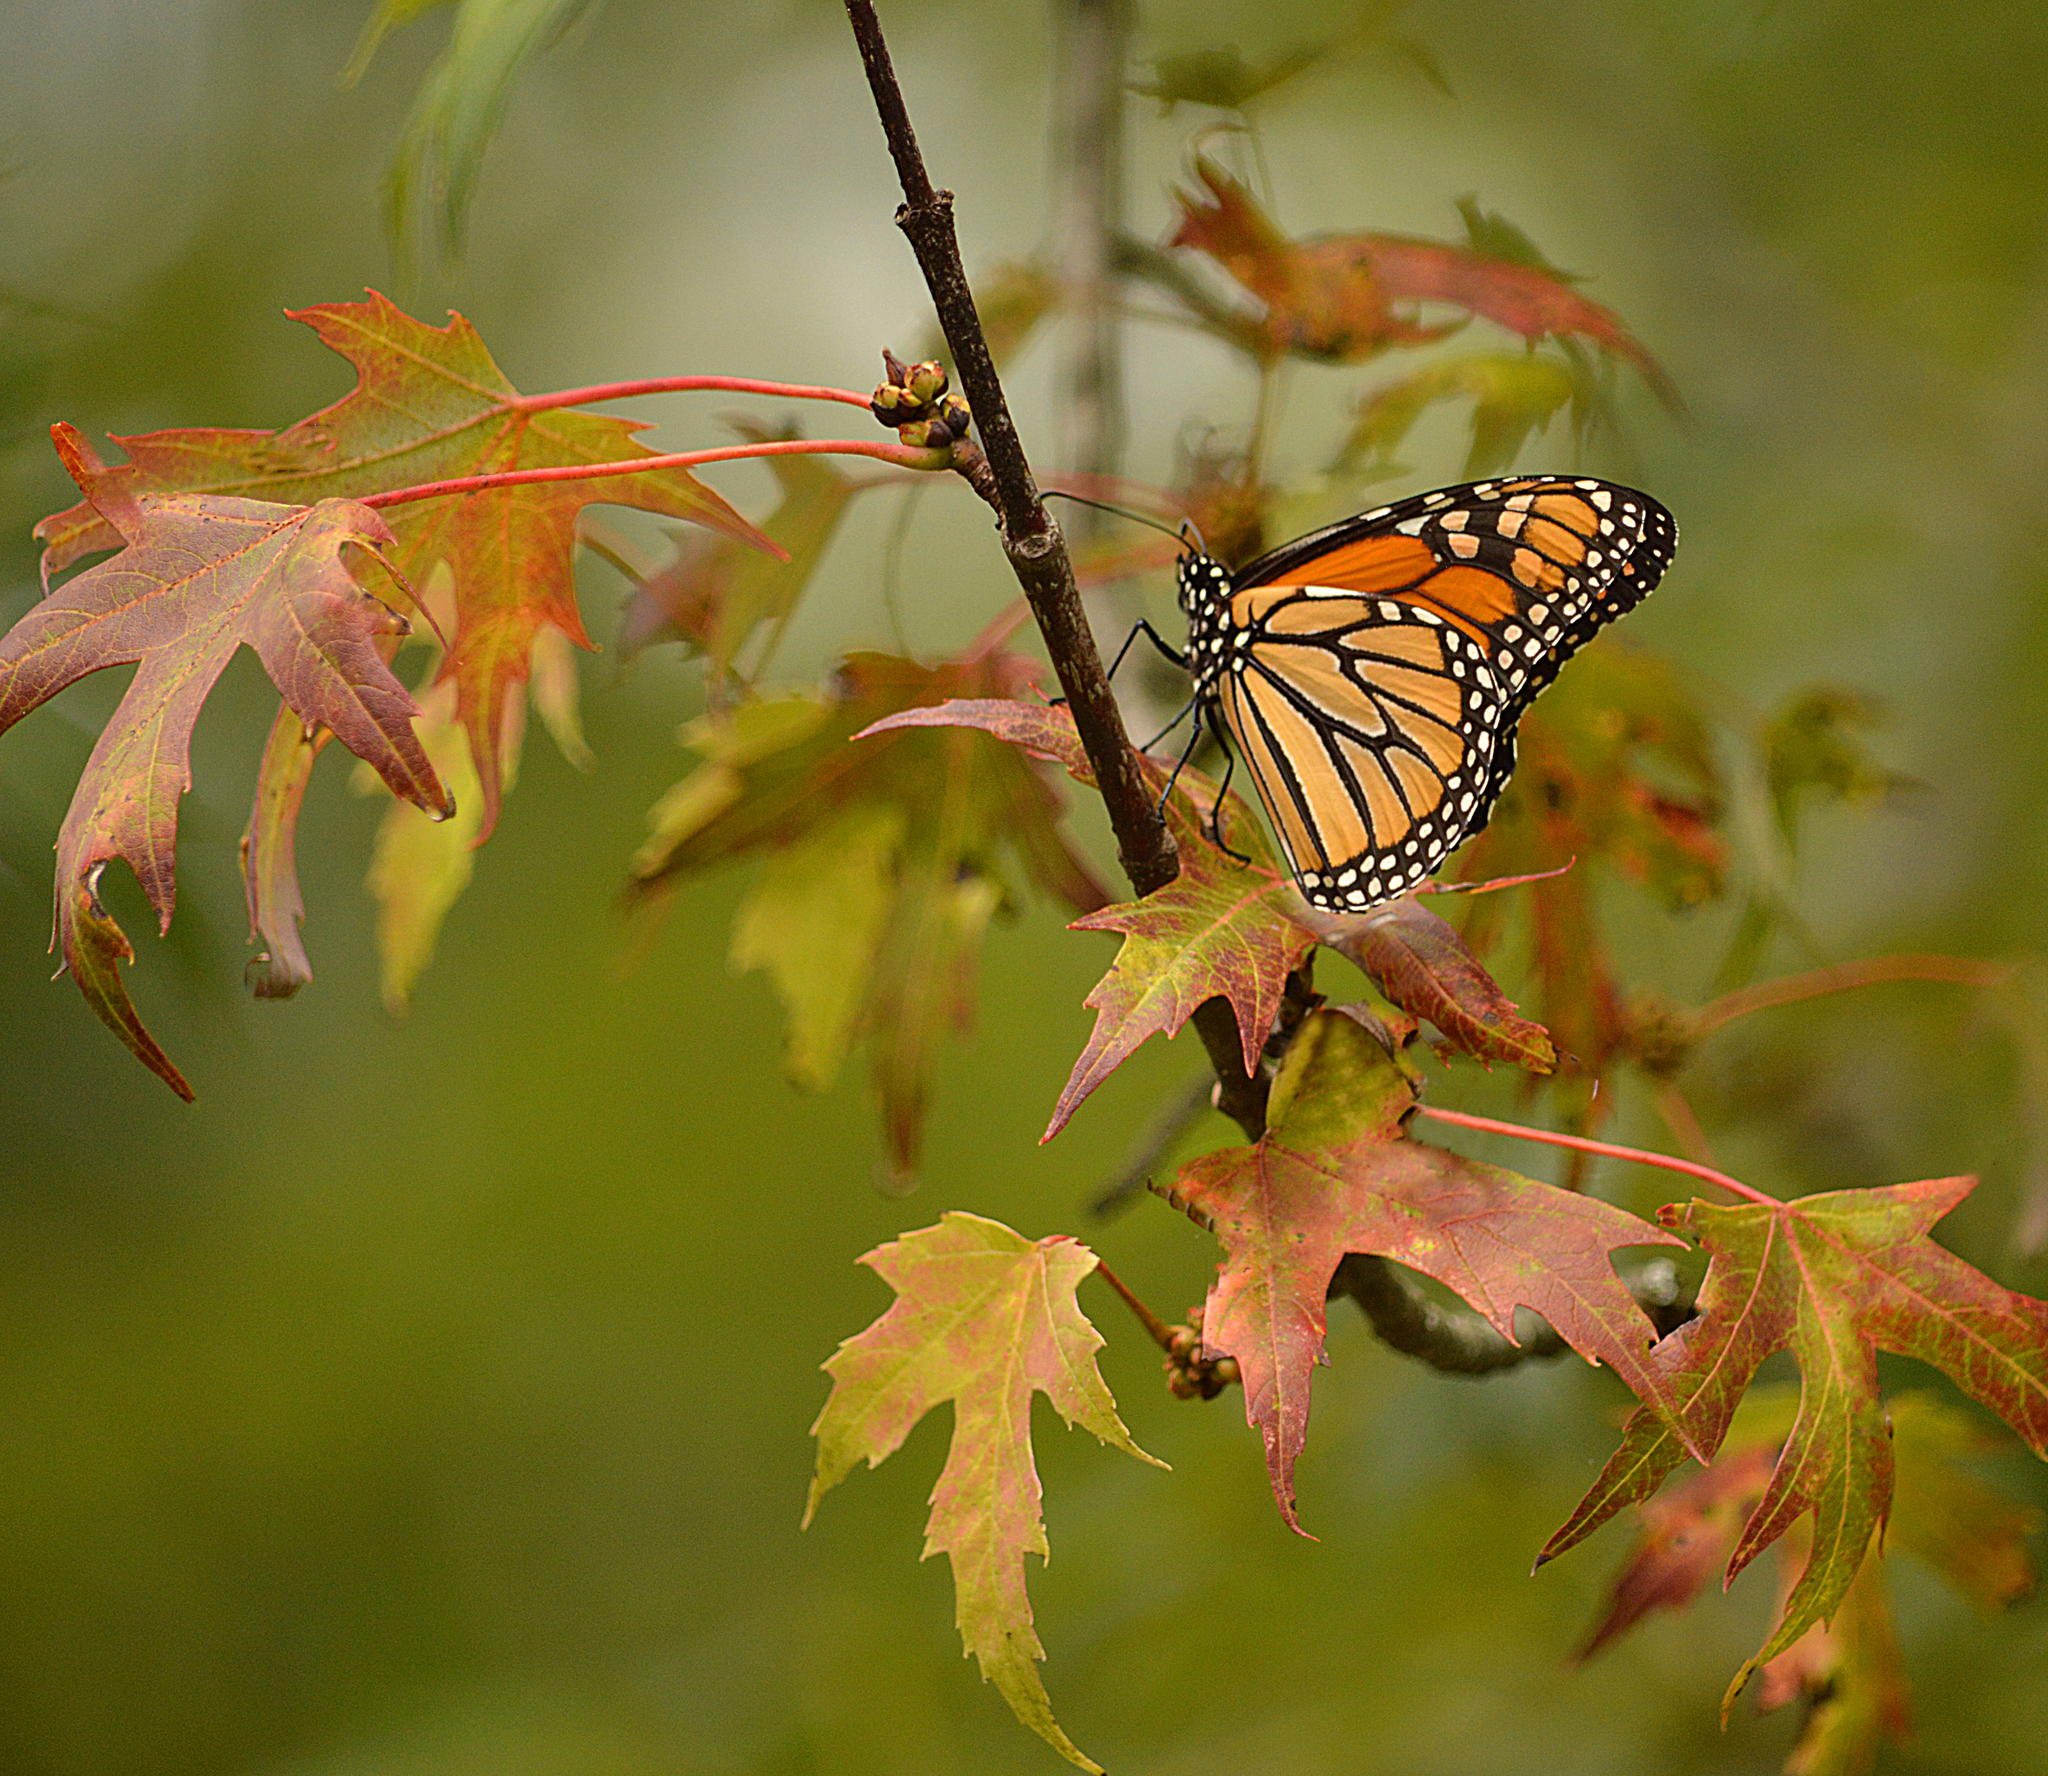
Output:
[[1470, 596], [1377, 564]]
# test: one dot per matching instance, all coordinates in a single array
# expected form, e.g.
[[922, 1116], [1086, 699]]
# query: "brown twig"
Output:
[[1001, 474]]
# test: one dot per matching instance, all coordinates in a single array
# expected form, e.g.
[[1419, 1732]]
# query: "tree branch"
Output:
[[1459, 1342], [1032, 541]]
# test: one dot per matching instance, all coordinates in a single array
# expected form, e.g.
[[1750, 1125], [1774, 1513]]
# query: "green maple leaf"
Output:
[[197, 577], [885, 854], [984, 1318], [1834, 1279], [1334, 1174]]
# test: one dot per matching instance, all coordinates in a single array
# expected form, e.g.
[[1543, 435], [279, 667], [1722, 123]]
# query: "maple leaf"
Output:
[[1312, 305], [883, 861], [1334, 1175], [1231, 929], [429, 404], [986, 1319], [1833, 1278], [1848, 1669], [1341, 298], [196, 578]]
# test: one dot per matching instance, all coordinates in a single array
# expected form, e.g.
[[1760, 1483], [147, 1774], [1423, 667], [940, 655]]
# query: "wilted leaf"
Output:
[[924, 823], [429, 405], [1333, 1175], [198, 577], [984, 1318], [1833, 1278], [270, 865]]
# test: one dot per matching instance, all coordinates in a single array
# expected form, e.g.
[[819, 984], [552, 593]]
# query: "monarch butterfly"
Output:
[[1371, 674]]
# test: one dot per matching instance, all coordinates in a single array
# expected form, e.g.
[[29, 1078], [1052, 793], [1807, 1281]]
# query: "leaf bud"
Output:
[[957, 414], [927, 381]]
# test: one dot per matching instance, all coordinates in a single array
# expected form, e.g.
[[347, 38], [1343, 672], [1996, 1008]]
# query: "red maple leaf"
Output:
[[1333, 1175], [429, 404], [983, 1318], [1833, 1278], [197, 577]]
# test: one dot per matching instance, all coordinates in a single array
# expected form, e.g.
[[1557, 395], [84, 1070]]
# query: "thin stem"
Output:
[[1679, 1117], [680, 385], [1960, 971], [1161, 1333], [900, 454], [1581, 1144]]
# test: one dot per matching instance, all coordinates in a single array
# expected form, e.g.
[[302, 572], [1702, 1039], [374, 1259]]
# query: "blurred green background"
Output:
[[429, 1399]]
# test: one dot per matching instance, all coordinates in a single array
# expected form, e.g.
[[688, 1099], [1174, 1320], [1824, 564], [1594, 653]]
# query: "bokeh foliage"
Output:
[[427, 1399]]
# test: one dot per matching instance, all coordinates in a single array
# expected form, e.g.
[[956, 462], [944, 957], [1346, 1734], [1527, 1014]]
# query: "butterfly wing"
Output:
[[1370, 729], [1534, 566], [1371, 674]]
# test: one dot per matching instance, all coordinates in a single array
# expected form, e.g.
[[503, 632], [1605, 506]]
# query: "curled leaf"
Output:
[[197, 577]]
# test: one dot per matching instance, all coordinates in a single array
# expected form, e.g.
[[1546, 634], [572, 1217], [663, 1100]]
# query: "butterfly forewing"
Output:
[[1371, 674]]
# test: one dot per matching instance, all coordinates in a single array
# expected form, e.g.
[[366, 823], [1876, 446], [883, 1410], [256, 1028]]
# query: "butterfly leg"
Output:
[[1141, 627], [1213, 826], [1187, 709], [1181, 763]]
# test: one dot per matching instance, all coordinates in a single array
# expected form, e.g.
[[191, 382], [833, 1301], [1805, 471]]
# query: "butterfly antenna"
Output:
[[1179, 536]]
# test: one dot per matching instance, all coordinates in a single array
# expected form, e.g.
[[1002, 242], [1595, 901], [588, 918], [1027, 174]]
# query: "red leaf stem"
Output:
[[682, 385], [900, 454], [1581, 1144]]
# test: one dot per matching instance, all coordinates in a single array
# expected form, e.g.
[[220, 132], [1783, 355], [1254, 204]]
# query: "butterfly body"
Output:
[[1371, 674]]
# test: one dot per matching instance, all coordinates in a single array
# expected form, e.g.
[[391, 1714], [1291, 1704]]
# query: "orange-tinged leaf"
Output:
[[983, 1318], [1833, 1278], [1218, 930], [429, 404], [1313, 305], [1334, 1174], [1423, 966], [197, 577]]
